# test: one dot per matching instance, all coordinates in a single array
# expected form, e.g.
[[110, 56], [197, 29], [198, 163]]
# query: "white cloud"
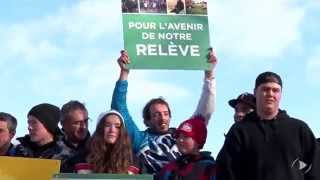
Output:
[[313, 68], [250, 28], [142, 85], [90, 19], [96, 80], [79, 24], [102, 77], [21, 45]]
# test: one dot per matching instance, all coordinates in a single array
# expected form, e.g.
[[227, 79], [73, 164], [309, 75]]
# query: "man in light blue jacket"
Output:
[[156, 145]]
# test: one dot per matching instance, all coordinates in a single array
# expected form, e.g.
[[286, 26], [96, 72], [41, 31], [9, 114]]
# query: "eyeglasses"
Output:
[[81, 123]]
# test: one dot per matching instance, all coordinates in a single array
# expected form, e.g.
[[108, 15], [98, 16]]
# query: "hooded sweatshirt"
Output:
[[283, 148]]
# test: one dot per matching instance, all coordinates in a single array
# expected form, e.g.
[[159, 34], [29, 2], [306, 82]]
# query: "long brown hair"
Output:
[[110, 158]]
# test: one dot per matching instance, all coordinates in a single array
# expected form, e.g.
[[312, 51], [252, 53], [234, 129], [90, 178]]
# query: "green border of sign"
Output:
[[152, 23]]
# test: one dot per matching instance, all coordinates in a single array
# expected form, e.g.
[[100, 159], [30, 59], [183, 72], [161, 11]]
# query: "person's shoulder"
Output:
[[12, 150], [24, 147], [23, 139], [284, 117], [146, 137], [172, 165], [298, 122], [206, 157], [53, 151], [249, 120], [145, 134], [24, 143], [246, 126], [234, 129], [79, 157], [68, 164], [292, 122], [63, 150], [166, 171], [209, 164]]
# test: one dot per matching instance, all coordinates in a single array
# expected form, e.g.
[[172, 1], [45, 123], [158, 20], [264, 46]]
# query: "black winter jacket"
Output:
[[26, 148], [280, 149]]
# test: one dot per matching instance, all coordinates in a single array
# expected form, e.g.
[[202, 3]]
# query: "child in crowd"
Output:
[[193, 164], [108, 150]]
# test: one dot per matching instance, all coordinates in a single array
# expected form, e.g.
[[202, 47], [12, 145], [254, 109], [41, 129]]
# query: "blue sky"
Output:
[[55, 51]]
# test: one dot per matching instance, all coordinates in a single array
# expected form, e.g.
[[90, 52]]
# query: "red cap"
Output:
[[194, 128]]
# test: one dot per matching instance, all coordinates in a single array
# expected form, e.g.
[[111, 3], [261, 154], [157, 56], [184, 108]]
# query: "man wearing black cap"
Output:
[[244, 104], [43, 129], [269, 144]]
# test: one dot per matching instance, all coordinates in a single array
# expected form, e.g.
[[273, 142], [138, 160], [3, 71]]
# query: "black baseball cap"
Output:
[[268, 76], [246, 98]]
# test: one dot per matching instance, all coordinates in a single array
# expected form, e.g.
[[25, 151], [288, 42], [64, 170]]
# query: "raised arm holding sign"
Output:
[[156, 146]]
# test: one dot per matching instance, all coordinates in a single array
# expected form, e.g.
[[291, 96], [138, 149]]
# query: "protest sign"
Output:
[[157, 37], [14, 168]]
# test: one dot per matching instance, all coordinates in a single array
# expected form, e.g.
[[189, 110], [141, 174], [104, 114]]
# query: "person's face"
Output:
[[159, 118], [112, 126], [76, 127], [5, 134], [187, 145], [240, 110], [37, 131], [268, 96]]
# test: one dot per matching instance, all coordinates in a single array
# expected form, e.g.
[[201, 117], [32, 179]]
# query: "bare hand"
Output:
[[213, 60], [123, 60]]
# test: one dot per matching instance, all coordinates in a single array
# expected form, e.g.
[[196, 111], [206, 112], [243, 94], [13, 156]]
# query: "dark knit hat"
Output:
[[246, 98], [48, 115], [268, 77], [195, 128]]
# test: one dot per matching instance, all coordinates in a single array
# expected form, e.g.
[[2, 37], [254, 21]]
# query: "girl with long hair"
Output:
[[110, 147], [108, 150]]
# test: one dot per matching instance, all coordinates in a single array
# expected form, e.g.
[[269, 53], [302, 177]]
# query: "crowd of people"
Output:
[[264, 143]]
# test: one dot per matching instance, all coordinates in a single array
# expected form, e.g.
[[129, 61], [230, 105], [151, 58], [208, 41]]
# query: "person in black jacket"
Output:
[[41, 141], [269, 144], [74, 121]]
